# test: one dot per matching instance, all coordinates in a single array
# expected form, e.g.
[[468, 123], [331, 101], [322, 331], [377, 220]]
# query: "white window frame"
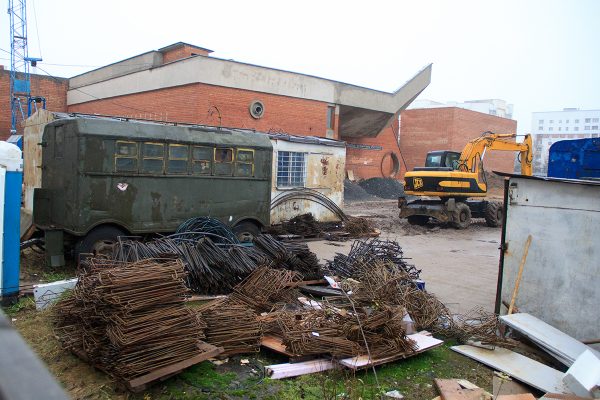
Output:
[[294, 174]]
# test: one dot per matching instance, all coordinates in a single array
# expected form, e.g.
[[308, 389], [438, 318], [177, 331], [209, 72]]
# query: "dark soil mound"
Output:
[[386, 188], [353, 192]]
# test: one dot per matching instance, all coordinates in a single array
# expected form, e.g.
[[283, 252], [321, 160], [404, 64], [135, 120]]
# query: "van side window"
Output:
[[202, 160], [126, 156], [224, 162], [153, 157], [178, 159], [244, 164]]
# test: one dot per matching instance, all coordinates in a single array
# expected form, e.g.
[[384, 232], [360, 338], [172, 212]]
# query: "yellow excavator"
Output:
[[452, 178]]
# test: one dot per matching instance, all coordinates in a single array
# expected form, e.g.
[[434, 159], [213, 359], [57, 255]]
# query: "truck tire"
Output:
[[418, 219], [99, 241], [246, 231], [461, 218], [494, 214]]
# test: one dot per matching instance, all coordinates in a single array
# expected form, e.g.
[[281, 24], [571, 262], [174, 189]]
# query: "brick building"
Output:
[[450, 128], [184, 83], [53, 89]]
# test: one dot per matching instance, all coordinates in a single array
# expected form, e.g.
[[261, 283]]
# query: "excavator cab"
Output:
[[440, 160]]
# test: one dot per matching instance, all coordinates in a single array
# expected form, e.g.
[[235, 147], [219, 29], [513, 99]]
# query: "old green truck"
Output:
[[103, 178]]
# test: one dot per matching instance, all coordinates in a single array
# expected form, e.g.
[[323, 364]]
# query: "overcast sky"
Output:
[[538, 55]]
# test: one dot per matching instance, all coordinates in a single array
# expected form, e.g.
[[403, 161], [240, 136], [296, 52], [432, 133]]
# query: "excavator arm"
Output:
[[475, 150]]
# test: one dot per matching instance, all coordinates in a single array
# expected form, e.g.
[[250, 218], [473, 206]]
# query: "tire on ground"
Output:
[[494, 213], [99, 240], [246, 231], [461, 218], [417, 219]]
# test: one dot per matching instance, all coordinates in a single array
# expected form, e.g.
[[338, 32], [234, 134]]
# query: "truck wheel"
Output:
[[461, 218], [494, 214], [246, 231], [99, 241], [418, 219]]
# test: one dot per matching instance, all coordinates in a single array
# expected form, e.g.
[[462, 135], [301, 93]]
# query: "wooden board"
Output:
[[450, 390], [424, 343], [522, 396], [140, 382], [276, 344], [288, 370], [520, 367]]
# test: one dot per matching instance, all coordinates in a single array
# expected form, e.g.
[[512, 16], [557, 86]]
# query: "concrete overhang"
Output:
[[363, 111]]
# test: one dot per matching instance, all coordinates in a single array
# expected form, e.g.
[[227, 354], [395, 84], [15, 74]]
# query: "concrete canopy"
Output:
[[363, 111]]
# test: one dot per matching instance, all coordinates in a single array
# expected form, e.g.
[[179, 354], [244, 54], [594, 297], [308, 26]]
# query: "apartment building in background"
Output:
[[548, 127]]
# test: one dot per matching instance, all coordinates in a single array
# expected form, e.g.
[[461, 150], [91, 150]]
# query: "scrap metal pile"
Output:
[[129, 319], [215, 268], [306, 225]]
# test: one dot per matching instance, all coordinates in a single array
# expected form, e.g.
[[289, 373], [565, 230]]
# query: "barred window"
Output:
[[153, 157], [178, 159], [291, 169]]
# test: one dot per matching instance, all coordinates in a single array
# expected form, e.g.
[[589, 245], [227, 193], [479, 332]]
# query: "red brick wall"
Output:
[[370, 163], [215, 105], [450, 128], [54, 90], [182, 52]]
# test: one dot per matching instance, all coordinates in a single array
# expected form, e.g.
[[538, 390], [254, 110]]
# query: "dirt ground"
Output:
[[458, 266]]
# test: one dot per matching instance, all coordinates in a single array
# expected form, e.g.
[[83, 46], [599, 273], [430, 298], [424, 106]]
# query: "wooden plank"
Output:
[[557, 343], [522, 396], [287, 370], [424, 343], [276, 344], [307, 283], [521, 266], [520, 367], [468, 385], [450, 390], [176, 367]]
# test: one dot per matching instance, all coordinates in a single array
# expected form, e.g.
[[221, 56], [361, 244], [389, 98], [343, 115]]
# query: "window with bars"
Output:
[[291, 169]]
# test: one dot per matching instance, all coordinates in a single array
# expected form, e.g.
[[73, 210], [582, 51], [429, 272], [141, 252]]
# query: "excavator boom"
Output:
[[475, 151]]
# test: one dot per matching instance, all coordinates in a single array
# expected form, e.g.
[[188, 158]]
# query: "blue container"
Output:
[[420, 284]]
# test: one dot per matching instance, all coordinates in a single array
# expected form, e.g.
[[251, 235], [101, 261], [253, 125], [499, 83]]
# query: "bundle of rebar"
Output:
[[303, 225], [129, 319], [367, 251], [216, 268], [230, 325], [265, 287]]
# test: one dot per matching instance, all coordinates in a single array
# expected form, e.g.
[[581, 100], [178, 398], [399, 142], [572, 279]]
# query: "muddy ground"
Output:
[[459, 266]]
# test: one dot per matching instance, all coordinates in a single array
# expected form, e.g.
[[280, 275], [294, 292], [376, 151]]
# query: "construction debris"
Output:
[[519, 367], [130, 319], [558, 344], [583, 378]]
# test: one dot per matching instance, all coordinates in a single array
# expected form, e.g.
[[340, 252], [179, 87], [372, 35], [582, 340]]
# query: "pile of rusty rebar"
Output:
[[230, 325], [217, 268], [129, 319], [364, 252]]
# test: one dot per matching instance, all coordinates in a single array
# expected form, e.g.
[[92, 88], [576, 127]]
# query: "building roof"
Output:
[[182, 44], [363, 111]]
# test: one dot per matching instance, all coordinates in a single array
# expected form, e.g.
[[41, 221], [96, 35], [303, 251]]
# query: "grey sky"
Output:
[[538, 55]]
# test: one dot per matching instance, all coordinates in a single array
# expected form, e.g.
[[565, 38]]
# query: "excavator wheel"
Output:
[[461, 218], [494, 214], [418, 219]]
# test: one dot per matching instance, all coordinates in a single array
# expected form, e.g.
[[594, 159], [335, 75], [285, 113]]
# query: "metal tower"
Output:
[[20, 87]]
